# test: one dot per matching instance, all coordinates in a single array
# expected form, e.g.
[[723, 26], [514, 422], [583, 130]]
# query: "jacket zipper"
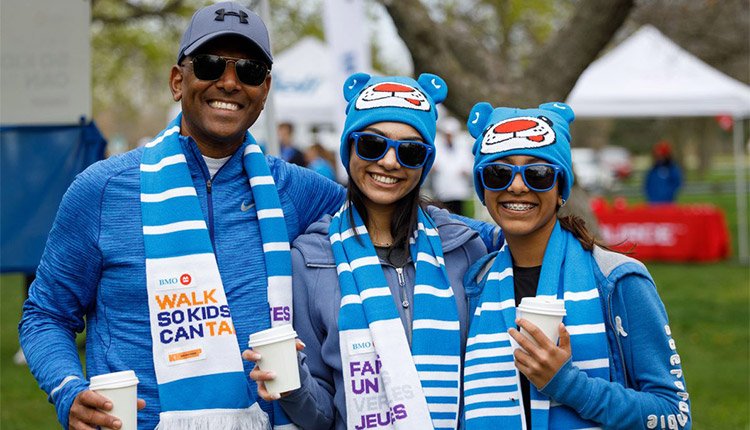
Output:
[[404, 299], [210, 213], [617, 337]]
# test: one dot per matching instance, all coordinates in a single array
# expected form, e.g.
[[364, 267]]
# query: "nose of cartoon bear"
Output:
[[515, 126]]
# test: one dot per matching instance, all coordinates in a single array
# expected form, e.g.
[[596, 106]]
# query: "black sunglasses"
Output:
[[207, 67], [538, 176], [373, 147]]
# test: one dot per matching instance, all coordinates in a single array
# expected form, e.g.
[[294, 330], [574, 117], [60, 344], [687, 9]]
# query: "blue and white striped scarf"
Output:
[[492, 394], [387, 385], [199, 371]]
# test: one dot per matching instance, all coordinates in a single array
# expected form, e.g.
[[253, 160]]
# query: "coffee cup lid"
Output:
[[543, 305], [113, 380], [272, 335]]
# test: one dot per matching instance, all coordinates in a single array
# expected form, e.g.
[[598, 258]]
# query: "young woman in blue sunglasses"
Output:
[[378, 292], [616, 365]]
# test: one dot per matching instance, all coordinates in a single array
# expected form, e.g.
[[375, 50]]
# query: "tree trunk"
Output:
[[474, 74]]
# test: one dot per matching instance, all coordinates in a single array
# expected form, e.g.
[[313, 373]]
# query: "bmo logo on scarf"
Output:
[[183, 280], [361, 346], [518, 133], [392, 94]]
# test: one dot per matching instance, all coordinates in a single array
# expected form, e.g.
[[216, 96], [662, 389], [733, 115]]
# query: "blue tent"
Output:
[[37, 164]]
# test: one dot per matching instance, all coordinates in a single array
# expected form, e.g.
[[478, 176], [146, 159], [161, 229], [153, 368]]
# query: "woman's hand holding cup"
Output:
[[539, 363], [260, 376]]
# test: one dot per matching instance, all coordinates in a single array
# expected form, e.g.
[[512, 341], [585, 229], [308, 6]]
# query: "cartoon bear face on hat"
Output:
[[373, 99], [500, 130], [519, 132], [392, 94], [370, 92]]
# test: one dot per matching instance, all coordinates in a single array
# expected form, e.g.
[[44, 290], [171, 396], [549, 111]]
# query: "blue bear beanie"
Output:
[[543, 133], [374, 99]]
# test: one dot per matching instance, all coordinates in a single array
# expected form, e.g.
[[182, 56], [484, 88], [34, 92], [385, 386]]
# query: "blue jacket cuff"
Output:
[[304, 377], [562, 386], [64, 397]]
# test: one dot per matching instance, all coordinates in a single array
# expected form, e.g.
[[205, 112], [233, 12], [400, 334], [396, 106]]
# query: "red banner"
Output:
[[665, 232]]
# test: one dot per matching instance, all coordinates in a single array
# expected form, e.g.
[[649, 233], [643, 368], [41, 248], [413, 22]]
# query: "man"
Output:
[[175, 253], [289, 153], [664, 178]]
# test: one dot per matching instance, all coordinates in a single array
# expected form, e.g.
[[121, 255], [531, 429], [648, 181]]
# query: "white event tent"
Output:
[[303, 84], [648, 75]]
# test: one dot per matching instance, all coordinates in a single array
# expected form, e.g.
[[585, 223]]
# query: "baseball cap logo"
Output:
[[185, 279], [221, 13]]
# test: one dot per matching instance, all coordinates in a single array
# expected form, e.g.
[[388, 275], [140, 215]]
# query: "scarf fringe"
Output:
[[252, 418]]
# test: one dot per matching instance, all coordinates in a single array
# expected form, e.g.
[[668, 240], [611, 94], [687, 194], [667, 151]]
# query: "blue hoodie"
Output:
[[93, 267], [319, 403], [646, 387]]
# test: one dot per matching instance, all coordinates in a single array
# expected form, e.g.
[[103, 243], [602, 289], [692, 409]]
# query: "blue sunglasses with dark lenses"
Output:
[[538, 176], [372, 147]]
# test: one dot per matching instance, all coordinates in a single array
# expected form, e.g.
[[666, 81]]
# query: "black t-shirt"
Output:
[[398, 257], [525, 280]]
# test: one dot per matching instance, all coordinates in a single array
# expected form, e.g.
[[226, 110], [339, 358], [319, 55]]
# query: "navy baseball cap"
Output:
[[222, 19]]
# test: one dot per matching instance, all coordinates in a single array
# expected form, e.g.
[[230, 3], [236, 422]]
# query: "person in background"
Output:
[[664, 178], [378, 296], [320, 161], [616, 365], [451, 174], [172, 254], [289, 153]]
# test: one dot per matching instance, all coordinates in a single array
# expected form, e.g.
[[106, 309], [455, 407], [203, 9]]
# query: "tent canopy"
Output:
[[304, 91], [648, 75]]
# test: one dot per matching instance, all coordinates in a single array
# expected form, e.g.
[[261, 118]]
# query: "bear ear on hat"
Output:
[[354, 84], [561, 109], [478, 118], [433, 85]]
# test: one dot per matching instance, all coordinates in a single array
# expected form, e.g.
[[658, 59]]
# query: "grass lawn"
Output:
[[709, 316], [22, 404]]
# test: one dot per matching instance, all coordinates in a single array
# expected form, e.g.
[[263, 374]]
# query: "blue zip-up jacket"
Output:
[[662, 182], [646, 387], [94, 267], [319, 403]]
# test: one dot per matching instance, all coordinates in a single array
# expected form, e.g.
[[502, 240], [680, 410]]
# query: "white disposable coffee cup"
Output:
[[121, 389], [545, 313], [278, 352]]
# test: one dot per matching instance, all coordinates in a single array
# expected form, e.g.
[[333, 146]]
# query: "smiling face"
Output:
[[217, 113], [384, 182], [521, 212]]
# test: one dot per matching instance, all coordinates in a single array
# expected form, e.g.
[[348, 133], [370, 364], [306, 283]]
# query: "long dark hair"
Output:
[[404, 219], [577, 226]]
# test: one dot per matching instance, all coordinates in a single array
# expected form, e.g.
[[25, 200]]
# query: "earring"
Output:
[[562, 202]]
